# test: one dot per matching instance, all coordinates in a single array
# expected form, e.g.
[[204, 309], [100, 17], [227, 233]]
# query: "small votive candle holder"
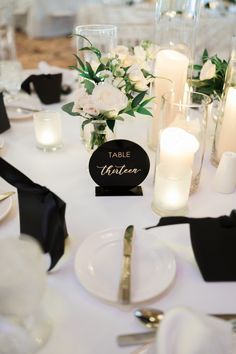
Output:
[[171, 191], [47, 127]]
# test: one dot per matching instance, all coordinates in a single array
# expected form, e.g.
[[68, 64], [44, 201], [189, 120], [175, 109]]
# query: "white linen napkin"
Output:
[[187, 331]]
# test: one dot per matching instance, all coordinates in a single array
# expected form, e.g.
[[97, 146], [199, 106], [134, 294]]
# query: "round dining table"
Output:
[[82, 322]]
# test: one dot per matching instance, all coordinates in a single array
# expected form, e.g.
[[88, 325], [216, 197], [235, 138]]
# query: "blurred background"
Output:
[[39, 29]]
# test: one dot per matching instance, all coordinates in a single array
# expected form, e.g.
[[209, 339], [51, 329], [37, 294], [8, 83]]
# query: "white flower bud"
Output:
[[208, 71]]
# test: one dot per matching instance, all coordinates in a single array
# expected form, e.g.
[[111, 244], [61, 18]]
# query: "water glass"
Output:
[[11, 77], [181, 142], [48, 132], [103, 37]]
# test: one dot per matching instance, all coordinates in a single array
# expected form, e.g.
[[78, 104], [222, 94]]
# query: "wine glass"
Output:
[[11, 77]]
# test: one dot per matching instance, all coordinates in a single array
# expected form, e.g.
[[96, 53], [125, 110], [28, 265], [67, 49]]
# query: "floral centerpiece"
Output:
[[209, 76], [111, 86]]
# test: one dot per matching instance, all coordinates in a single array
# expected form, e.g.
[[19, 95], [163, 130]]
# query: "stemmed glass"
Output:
[[11, 77]]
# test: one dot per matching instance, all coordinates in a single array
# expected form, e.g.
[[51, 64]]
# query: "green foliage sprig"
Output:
[[213, 86]]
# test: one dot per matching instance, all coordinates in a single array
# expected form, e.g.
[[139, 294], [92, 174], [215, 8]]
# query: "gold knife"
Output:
[[125, 280], [6, 195]]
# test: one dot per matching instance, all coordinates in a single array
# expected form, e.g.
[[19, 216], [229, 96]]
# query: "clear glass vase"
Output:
[[97, 133], [225, 132], [176, 24], [181, 142]]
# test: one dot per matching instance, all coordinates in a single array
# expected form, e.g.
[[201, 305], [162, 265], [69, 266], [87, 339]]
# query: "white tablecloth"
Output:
[[82, 323]]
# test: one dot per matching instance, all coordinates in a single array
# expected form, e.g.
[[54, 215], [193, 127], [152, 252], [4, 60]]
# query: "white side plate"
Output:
[[98, 265]]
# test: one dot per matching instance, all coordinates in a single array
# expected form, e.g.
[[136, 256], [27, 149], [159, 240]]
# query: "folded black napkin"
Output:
[[4, 120], [48, 87], [42, 213], [213, 242]]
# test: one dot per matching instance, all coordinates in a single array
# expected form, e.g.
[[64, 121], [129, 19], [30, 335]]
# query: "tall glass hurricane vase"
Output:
[[176, 23]]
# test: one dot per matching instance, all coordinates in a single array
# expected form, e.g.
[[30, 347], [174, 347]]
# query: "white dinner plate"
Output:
[[98, 265], [5, 205], [15, 113]]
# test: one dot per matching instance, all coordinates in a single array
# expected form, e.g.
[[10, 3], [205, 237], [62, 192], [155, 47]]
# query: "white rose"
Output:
[[129, 60], [107, 75], [91, 109], [139, 54], [208, 71], [81, 98], [108, 98], [141, 85], [119, 72], [118, 82], [121, 51], [112, 114], [115, 62], [135, 74]]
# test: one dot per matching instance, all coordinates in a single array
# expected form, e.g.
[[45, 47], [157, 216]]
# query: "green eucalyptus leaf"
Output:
[[73, 67], [144, 111], [138, 99], [80, 61], [97, 52], [90, 70], [101, 67], [205, 56], [89, 86], [80, 35], [130, 113], [68, 109], [144, 103], [111, 124]]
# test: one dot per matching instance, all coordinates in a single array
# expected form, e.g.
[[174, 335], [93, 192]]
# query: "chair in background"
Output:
[[51, 18]]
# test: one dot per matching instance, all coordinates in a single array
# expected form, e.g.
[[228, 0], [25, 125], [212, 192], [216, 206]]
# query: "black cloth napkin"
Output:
[[42, 213], [213, 242], [48, 87], [4, 120]]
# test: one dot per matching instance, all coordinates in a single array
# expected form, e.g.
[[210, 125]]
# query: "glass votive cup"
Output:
[[182, 133], [47, 127], [171, 190]]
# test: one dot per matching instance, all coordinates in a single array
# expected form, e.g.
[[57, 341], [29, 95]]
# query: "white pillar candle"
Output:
[[171, 192], [177, 148], [173, 65], [227, 137], [47, 126]]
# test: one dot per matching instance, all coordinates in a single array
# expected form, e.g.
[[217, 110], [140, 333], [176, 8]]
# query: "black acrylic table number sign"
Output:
[[118, 167], [4, 120]]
